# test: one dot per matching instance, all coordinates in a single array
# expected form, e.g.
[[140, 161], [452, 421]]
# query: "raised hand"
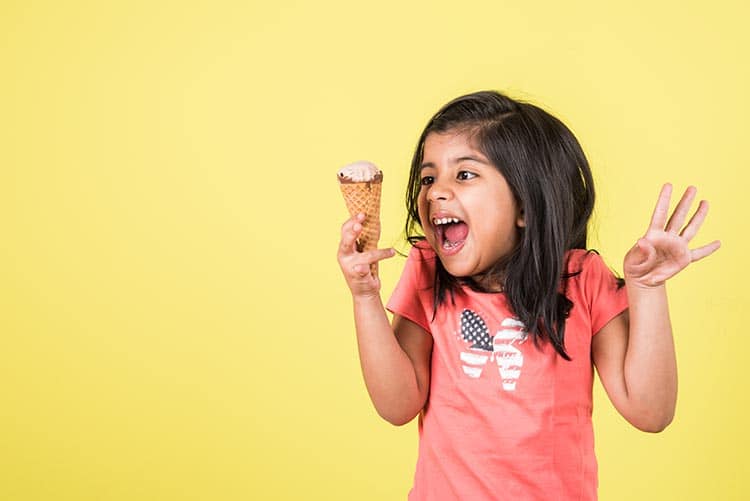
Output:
[[356, 265], [664, 250]]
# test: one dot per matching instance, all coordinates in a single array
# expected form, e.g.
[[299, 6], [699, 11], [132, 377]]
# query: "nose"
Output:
[[440, 190]]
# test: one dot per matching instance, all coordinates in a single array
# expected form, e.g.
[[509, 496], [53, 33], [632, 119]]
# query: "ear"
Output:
[[521, 219]]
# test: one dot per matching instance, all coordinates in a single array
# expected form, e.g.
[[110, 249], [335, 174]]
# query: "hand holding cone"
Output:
[[361, 184]]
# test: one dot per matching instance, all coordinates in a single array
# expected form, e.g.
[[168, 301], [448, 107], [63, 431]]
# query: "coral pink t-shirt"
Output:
[[506, 419]]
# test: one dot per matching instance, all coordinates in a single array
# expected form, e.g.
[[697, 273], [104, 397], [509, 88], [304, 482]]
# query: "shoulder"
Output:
[[592, 283], [589, 274], [584, 263], [420, 264], [422, 250], [412, 297]]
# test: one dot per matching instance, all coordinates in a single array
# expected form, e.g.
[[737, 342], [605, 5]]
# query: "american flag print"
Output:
[[500, 348]]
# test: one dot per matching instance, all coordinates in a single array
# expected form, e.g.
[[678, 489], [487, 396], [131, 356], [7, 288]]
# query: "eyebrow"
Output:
[[456, 161]]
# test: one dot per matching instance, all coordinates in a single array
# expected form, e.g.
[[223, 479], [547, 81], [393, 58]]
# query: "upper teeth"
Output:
[[445, 220]]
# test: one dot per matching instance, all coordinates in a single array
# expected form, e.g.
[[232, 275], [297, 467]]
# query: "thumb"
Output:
[[642, 250], [640, 255]]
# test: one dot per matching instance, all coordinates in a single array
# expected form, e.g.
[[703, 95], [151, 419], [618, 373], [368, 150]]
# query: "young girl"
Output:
[[501, 311]]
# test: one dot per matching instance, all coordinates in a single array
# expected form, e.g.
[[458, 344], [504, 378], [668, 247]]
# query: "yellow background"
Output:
[[173, 324]]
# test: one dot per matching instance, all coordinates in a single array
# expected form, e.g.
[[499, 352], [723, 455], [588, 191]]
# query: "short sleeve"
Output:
[[413, 289], [603, 295]]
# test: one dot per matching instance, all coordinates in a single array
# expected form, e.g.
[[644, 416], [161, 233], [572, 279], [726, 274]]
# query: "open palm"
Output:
[[664, 250]]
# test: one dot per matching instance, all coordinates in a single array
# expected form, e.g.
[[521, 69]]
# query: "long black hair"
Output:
[[551, 180]]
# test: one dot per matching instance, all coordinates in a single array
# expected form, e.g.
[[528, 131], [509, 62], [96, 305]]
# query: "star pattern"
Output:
[[474, 330]]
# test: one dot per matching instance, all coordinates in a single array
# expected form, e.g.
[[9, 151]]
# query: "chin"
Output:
[[458, 270]]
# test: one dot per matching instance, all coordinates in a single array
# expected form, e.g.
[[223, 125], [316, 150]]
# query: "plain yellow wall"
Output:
[[173, 324]]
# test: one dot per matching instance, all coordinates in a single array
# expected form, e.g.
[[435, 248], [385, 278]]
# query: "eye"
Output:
[[465, 175], [427, 180]]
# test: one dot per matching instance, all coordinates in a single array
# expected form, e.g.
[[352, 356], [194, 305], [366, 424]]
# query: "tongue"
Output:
[[456, 232]]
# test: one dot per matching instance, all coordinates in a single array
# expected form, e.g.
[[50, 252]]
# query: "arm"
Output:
[[634, 353], [395, 359]]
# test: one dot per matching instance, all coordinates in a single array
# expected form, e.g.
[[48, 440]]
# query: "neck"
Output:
[[490, 282]]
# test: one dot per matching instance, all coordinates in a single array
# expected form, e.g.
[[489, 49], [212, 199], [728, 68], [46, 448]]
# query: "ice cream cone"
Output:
[[361, 184]]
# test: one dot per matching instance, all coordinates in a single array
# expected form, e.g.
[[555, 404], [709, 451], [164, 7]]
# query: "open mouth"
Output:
[[450, 233]]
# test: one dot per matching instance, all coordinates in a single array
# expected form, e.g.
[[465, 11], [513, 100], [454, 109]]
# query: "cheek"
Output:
[[422, 207], [498, 228]]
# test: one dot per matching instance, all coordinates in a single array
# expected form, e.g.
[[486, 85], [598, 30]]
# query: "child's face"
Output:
[[467, 210]]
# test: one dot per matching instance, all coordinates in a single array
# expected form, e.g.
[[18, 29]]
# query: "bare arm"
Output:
[[634, 353], [395, 359], [638, 369]]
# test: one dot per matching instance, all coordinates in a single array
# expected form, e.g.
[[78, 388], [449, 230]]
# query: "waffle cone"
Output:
[[365, 198]]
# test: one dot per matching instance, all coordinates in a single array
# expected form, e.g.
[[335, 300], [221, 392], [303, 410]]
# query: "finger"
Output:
[[358, 218], [349, 233], [661, 211], [361, 270], [696, 221], [704, 251], [644, 253], [681, 211], [376, 255]]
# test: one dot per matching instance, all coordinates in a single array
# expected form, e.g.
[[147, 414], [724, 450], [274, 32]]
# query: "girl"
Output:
[[501, 311]]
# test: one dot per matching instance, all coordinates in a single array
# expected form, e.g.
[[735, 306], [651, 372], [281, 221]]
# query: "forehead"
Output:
[[452, 139], [451, 146]]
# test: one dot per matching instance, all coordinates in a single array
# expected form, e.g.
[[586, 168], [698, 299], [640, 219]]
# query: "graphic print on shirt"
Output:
[[498, 348]]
